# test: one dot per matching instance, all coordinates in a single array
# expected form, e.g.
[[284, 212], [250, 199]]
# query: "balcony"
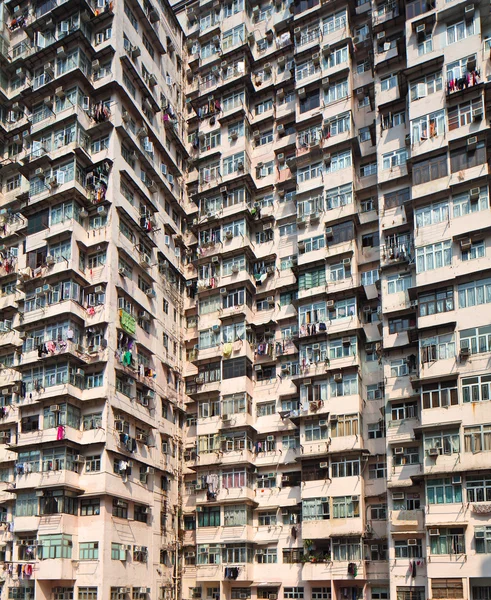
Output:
[[62, 477], [406, 521]]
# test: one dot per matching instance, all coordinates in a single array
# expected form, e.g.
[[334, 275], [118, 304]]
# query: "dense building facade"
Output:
[[244, 334], [91, 304], [340, 336]]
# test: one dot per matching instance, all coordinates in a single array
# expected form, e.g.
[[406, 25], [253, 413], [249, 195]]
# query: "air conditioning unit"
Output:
[[346, 341], [355, 498], [280, 130], [456, 479], [333, 418], [479, 533], [477, 114], [323, 423], [324, 465], [307, 381], [472, 143], [399, 450], [270, 300], [412, 542], [235, 268], [433, 452], [421, 28], [338, 377], [398, 496], [330, 304], [474, 194], [434, 532], [469, 11], [316, 58], [465, 244], [54, 408], [329, 233], [151, 293], [381, 35], [302, 93], [102, 211], [464, 353]]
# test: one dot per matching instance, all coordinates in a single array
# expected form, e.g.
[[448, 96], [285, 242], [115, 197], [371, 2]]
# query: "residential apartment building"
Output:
[[244, 334], [92, 206], [339, 246]]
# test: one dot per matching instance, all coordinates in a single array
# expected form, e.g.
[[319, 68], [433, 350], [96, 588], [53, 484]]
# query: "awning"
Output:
[[263, 584]]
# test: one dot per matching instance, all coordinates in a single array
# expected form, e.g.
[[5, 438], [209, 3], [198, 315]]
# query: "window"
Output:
[[429, 170], [477, 438], [368, 169], [477, 340], [462, 158], [345, 468], [295, 593], [378, 512], [410, 456], [90, 507], [346, 549], [24, 592], [432, 214], [436, 302], [477, 250], [434, 256], [88, 550], [344, 425], [476, 389], [478, 488], [315, 509], [313, 431], [337, 91], [344, 507], [428, 127], [398, 283], [449, 540], [446, 442], [411, 593], [463, 114], [140, 513], [87, 593], [92, 463], [377, 470], [236, 515], [462, 204], [404, 550], [388, 82], [311, 100], [120, 509], [337, 197], [312, 279], [209, 516], [443, 491], [339, 160], [309, 172], [426, 86], [439, 347], [55, 546], [394, 159], [266, 518], [376, 430], [439, 395], [460, 31]]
